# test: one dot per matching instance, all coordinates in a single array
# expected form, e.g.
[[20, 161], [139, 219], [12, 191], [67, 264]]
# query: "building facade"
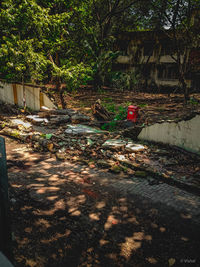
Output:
[[153, 55]]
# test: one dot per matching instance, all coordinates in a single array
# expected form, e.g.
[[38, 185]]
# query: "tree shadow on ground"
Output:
[[68, 215]]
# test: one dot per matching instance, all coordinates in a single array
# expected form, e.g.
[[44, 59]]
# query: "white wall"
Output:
[[185, 134], [6, 93], [32, 95]]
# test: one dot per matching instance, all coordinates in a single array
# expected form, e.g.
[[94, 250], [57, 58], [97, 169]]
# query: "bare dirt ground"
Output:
[[153, 107], [66, 214]]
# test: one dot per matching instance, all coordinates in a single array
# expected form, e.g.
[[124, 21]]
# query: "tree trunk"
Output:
[[185, 88], [60, 91]]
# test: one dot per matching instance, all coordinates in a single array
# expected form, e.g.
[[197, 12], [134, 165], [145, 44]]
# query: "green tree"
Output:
[[179, 21]]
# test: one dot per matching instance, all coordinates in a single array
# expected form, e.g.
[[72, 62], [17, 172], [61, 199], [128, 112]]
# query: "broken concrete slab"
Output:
[[81, 129], [59, 119], [119, 144], [115, 144], [35, 119], [132, 147], [77, 118], [105, 164], [21, 122]]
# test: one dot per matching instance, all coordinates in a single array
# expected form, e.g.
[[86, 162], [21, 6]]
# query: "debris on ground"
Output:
[[60, 133]]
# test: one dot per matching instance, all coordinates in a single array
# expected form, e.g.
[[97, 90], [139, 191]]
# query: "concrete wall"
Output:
[[6, 93], [13, 94], [185, 134]]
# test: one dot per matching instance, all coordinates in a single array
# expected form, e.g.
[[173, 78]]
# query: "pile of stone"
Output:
[[57, 132]]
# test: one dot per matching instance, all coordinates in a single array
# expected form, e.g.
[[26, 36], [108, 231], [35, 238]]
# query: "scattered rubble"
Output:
[[81, 129], [55, 133]]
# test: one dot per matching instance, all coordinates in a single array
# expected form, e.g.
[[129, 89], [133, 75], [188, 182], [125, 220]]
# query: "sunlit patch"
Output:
[[184, 238], [60, 204], [56, 237], [122, 200], [81, 199], [35, 185], [123, 209], [40, 179], [76, 213], [31, 262], [51, 198], [94, 216], [16, 185], [152, 260], [148, 238], [103, 242], [28, 229], [53, 178], [131, 244], [47, 189], [133, 220], [186, 216], [43, 222], [162, 229], [89, 250], [110, 221], [100, 205]]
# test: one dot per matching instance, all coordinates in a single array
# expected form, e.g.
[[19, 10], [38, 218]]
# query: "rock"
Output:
[[105, 164], [131, 147], [60, 155], [21, 123], [35, 119], [89, 142], [114, 144], [140, 174], [116, 169], [81, 129], [132, 132], [77, 118], [120, 158], [60, 119]]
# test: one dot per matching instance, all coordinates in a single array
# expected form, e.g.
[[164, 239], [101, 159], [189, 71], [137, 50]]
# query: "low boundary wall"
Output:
[[12, 93]]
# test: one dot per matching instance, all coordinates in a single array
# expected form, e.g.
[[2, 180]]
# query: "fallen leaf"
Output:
[[50, 146]]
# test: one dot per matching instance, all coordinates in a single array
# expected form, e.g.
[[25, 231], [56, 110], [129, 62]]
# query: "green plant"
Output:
[[142, 105], [120, 114], [123, 80], [110, 126], [110, 107], [193, 101]]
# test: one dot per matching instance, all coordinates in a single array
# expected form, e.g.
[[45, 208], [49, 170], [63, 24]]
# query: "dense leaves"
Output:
[[72, 42]]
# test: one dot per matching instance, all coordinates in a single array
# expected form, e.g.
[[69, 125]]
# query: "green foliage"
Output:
[[193, 101], [124, 80], [120, 114]]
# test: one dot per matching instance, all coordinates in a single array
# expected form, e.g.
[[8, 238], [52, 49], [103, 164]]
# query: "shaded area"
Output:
[[68, 215]]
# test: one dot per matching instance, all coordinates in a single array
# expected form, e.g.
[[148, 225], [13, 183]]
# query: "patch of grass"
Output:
[[120, 114], [142, 105], [193, 101]]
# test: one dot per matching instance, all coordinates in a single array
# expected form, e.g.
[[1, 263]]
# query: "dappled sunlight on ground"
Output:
[[69, 215]]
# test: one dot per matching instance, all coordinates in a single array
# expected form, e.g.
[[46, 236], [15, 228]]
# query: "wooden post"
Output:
[[5, 232], [15, 93], [24, 93], [41, 99]]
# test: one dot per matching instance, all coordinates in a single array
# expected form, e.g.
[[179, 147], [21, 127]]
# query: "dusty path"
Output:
[[71, 215]]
